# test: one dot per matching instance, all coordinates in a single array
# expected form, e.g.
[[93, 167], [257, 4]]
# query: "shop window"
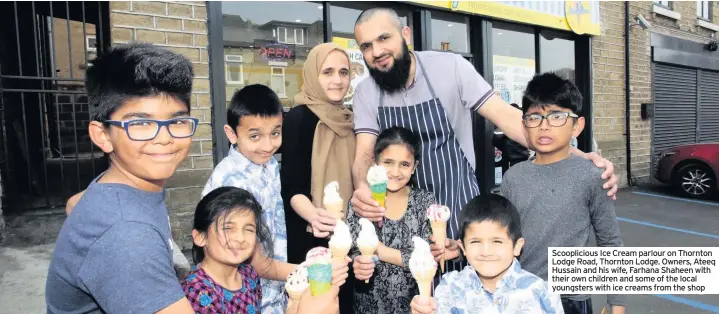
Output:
[[234, 72], [556, 54], [450, 32], [277, 81], [704, 10], [269, 47], [344, 15], [513, 60]]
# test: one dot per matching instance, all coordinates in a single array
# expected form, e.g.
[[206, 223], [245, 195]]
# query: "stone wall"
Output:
[[609, 91], [181, 27]]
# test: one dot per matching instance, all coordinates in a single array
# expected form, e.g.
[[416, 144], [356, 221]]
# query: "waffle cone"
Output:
[[339, 252], [439, 230], [367, 251], [295, 295], [424, 281], [335, 209]]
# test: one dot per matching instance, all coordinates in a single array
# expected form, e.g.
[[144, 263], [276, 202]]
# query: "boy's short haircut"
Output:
[[253, 100], [492, 207], [551, 89], [133, 71]]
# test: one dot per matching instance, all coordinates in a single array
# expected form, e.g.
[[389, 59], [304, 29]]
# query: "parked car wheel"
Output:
[[694, 180]]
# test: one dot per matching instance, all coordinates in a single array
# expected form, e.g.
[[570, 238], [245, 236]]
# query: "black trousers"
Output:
[[577, 307]]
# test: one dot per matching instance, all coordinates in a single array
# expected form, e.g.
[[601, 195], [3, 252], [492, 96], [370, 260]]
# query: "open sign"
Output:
[[276, 51]]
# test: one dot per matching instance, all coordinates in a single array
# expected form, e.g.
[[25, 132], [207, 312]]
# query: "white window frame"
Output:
[[280, 38], [283, 93], [664, 3], [87, 43], [234, 59], [300, 40], [281, 34], [704, 7]]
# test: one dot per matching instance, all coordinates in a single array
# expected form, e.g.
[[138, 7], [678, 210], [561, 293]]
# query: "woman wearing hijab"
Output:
[[318, 146]]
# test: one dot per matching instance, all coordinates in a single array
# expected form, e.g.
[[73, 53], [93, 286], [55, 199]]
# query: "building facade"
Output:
[[672, 81], [233, 44]]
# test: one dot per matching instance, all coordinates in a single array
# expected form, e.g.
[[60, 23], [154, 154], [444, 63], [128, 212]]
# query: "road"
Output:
[[655, 218]]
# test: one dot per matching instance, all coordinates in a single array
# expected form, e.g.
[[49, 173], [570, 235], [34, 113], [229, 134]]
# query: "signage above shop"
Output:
[[580, 17], [274, 51]]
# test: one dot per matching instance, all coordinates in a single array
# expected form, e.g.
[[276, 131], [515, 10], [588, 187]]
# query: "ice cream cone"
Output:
[[295, 295], [439, 230], [319, 270], [332, 200], [336, 209], [424, 281], [422, 266], [367, 251], [339, 252]]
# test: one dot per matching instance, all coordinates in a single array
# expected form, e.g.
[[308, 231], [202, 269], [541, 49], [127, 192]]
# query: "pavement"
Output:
[[648, 217]]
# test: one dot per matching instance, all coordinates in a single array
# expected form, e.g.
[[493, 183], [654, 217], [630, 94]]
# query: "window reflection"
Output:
[[513, 60], [344, 15], [449, 32], [269, 47], [557, 54]]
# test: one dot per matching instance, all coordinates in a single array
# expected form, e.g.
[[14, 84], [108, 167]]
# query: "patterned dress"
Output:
[[392, 287], [207, 296], [517, 292], [263, 181]]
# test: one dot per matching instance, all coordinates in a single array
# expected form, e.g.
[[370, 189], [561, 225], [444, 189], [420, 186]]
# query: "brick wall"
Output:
[[608, 62], [181, 27]]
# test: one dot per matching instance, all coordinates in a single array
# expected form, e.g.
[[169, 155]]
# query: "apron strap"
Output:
[[426, 79]]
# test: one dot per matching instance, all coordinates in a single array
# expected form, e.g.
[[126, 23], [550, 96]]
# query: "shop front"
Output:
[[508, 42]]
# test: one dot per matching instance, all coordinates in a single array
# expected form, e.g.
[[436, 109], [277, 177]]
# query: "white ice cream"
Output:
[[342, 236], [332, 194], [421, 258], [298, 280], [376, 175], [367, 235]]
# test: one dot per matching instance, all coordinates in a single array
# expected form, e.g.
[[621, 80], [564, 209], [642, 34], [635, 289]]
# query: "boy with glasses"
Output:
[[558, 195], [114, 253]]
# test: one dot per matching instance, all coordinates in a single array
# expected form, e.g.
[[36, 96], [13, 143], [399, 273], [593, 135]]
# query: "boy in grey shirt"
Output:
[[559, 196]]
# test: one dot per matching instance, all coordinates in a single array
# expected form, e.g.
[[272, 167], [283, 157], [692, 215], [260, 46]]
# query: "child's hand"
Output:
[[363, 267], [327, 303], [423, 305], [323, 223], [450, 249], [340, 271]]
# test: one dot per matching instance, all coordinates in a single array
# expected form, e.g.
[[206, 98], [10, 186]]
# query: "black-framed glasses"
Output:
[[555, 119], [147, 129]]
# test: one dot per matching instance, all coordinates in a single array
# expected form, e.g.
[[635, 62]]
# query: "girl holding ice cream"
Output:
[[391, 286]]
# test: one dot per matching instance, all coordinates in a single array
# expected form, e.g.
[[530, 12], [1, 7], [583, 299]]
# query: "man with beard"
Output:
[[435, 95]]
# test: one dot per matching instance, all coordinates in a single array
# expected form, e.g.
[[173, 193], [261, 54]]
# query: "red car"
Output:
[[691, 169]]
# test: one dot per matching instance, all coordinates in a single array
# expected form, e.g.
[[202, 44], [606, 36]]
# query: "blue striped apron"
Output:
[[443, 169]]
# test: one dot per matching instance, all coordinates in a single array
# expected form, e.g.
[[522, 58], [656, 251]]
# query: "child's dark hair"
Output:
[[552, 89], [133, 71], [253, 100], [220, 203], [398, 135], [493, 208]]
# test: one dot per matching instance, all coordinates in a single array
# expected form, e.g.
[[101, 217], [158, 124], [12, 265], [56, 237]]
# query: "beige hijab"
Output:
[[333, 149]]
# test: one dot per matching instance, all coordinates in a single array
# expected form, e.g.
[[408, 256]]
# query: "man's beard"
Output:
[[395, 79]]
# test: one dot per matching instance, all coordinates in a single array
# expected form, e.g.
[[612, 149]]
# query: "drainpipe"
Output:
[[627, 115]]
